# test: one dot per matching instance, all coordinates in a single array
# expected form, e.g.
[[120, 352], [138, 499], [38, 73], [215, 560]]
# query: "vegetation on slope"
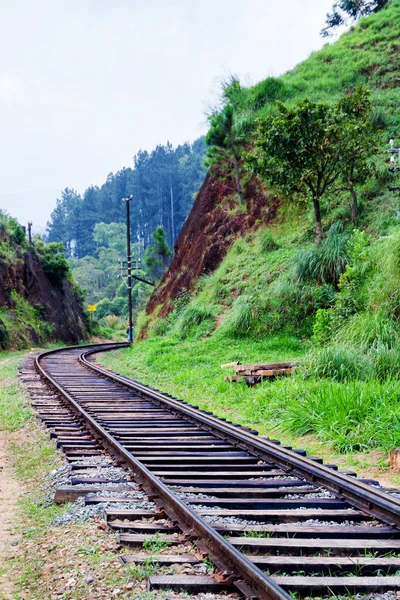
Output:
[[277, 295], [39, 299]]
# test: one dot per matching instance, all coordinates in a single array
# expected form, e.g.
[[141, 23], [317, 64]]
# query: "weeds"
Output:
[[144, 570], [155, 544]]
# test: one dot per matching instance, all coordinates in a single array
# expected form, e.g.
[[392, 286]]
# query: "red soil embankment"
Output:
[[213, 224]]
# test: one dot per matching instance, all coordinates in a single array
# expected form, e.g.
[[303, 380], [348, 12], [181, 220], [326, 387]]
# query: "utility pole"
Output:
[[30, 232], [128, 267], [393, 168], [129, 262]]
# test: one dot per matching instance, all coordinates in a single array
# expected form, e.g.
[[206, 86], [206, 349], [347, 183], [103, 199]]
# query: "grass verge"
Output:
[[50, 562], [191, 371]]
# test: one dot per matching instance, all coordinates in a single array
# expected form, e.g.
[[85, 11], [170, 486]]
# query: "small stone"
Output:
[[128, 586], [89, 579], [116, 592]]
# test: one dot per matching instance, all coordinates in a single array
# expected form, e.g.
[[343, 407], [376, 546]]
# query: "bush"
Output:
[[23, 324], [103, 308], [4, 337], [113, 322], [53, 261], [161, 326], [268, 90]]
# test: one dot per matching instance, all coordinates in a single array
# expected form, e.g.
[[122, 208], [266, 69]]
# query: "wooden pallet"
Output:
[[255, 373]]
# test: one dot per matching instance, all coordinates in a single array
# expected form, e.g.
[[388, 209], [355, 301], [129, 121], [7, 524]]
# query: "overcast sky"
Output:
[[85, 84]]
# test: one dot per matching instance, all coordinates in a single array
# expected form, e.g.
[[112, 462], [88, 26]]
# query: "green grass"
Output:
[[32, 456], [14, 410], [366, 55], [191, 370]]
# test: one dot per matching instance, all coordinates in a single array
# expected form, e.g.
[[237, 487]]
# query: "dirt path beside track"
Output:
[[9, 494]]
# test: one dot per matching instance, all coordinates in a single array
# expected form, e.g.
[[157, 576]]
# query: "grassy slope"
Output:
[[368, 55], [254, 306]]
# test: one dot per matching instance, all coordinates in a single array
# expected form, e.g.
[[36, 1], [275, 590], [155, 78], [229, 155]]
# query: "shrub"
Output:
[[4, 337], [53, 261], [268, 90], [386, 362], [323, 326], [23, 324], [103, 308], [161, 326], [113, 322]]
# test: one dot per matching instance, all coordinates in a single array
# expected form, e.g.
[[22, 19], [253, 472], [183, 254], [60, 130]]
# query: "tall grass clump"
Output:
[[324, 263], [241, 319], [359, 415], [366, 331], [268, 242], [339, 364], [197, 319]]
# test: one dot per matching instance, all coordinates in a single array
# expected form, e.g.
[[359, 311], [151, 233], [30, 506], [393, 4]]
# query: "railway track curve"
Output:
[[273, 521]]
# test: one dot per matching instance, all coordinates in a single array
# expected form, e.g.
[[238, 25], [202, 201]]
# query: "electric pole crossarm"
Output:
[[143, 280]]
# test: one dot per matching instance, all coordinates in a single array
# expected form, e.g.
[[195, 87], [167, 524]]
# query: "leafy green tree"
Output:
[[309, 149], [157, 255], [225, 142], [345, 10], [362, 144], [53, 260]]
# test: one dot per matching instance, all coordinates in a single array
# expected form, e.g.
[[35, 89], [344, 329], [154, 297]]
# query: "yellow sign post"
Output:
[[92, 307]]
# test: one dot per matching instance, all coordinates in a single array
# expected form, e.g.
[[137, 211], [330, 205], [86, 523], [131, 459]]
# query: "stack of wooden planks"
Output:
[[255, 373]]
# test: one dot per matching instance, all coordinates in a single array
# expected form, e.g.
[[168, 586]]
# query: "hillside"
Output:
[[249, 283], [39, 302], [367, 55]]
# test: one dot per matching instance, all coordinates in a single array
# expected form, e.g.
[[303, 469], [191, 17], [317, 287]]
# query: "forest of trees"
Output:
[[163, 183]]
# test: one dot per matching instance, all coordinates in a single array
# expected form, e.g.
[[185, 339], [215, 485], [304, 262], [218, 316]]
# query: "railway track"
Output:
[[274, 521]]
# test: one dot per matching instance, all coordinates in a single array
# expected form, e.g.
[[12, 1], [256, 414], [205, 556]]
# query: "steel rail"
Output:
[[364, 497], [240, 570]]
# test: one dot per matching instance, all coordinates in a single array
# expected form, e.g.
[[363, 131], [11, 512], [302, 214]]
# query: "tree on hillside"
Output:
[[344, 11], [157, 255], [310, 149], [362, 143], [224, 143]]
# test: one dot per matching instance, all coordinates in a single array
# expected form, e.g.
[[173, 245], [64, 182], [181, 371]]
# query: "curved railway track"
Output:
[[272, 520]]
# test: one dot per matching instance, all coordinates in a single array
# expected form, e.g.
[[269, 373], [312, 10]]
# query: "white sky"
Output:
[[85, 84]]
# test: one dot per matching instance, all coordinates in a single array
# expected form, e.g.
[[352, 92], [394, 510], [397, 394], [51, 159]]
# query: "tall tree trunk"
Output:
[[171, 192], [237, 176], [354, 206], [318, 223]]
